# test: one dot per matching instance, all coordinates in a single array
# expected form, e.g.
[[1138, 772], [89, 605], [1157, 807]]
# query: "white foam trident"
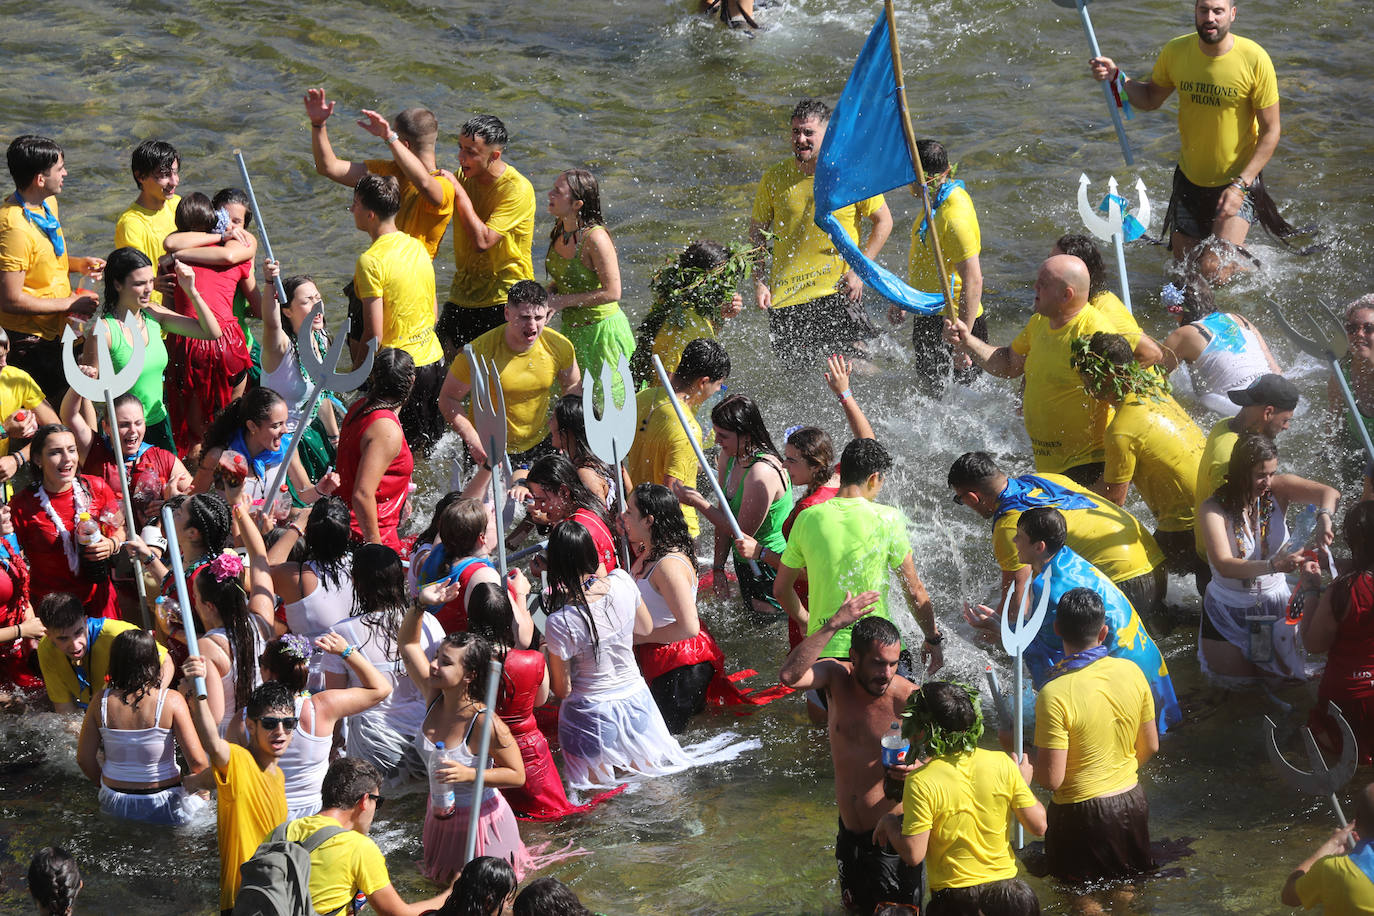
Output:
[[1109, 228], [489, 419], [106, 386], [611, 435], [1322, 780], [1015, 640]]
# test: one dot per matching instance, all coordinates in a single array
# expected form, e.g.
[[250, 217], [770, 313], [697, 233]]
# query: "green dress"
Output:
[[599, 333], [769, 534]]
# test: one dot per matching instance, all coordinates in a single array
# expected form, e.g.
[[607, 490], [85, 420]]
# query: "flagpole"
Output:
[[916, 159]]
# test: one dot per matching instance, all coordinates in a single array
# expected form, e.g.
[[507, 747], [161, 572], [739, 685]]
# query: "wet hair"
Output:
[[328, 541], [548, 897], [1358, 529], [815, 448], [118, 266], [491, 615], [972, 471], [1009, 897], [488, 129], [949, 705], [807, 109], [584, 187], [418, 125], [270, 697], [54, 879], [256, 405], [1086, 250], [151, 157], [703, 254], [379, 193], [347, 780], [934, 159], [209, 514], [1197, 298], [282, 661], [379, 594], [392, 378], [702, 358], [29, 156], [431, 533], [476, 657], [1251, 450], [226, 196], [480, 889], [1113, 349], [527, 292], [241, 629], [870, 631], [1044, 523], [569, 414], [861, 459], [556, 474], [195, 213], [740, 415], [668, 531], [572, 558], [135, 669], [461, 523], [1079, 616], [60, 611]]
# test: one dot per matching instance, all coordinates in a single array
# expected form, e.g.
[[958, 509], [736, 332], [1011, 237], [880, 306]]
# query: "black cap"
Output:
[[1267, 391]]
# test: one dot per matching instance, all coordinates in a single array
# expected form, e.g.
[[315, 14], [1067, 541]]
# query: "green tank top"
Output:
[[148, 388], [572, 276], [770, 529]]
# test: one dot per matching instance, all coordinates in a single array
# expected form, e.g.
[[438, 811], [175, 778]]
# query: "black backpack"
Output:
[[276, 880]]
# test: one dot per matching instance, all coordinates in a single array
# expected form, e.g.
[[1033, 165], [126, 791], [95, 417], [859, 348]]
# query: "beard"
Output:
[[1216, 39]]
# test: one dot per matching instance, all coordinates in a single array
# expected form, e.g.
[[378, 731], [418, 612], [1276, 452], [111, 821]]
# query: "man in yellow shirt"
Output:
[[74, 653], [35, 290], [1147, 350], [956, 808], [813, 300], [1339, 876], [530, 358], [1228, 127], [151, 217], [394, 279], [1094, 728], [492, 239]]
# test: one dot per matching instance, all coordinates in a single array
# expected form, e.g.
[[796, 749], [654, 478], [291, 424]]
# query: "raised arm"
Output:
[[207, 726], [205, 326], [429, 186], [373, 687], [803, 668], [262, 600], [918, 603], [318, 110], [838, 370], [78, 413]]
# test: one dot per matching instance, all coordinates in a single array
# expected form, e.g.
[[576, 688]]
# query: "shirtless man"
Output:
[[866, 698]]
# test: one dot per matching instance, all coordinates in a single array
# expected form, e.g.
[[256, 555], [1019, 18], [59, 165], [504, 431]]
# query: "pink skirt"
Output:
[[445, 840]]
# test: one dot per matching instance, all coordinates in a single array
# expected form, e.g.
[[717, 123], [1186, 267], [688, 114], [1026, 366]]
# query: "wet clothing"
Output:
[[1349, 676], [148, 387], [872, 874], [394, 486], [1099, 838], [600, 334], [528, 379], [482, 278], [1232, 358], [662, 449], [1341, 885], [759, 585], [418, 217], [1153, 443]]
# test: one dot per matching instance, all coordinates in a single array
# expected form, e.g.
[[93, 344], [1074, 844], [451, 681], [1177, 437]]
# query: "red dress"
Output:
[[204, 370], [795, 634], [453, 617], [18, 659], [42, 545], [147, 477], [395, 482], [601, 536], [542, 797], [1349, 675]]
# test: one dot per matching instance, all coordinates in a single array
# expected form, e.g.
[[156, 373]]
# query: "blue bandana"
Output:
[[1362, 857], [267, 458], [46, 224], [1031, 492], [1076, 661], [946, 189]]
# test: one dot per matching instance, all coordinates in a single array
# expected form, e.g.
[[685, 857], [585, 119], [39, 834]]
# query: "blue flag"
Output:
[[864, 154]]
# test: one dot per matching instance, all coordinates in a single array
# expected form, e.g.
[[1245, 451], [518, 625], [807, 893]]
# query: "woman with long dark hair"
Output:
[[245, 444], [134, 723], [316, 589], [486, 887], [560, 494], [1246, 633], [568, 432]]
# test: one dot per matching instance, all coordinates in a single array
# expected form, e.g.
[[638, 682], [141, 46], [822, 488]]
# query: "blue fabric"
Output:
[[947, 187], [94, 626], [1362, 857], [46, 224], [1031, 492], [1226, 334], [268, 458], [865, 153], [435, 566], [1131, 229], [1076, 661], [1126, 635]]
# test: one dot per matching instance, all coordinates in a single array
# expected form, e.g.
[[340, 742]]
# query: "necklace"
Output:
[[567, 236], [79, 505]]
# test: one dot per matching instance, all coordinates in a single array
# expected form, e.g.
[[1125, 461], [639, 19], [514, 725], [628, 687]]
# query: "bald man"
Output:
[[1064, 422]]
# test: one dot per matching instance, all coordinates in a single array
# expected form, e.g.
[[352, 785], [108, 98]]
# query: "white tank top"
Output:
[[304, 764], [321, 610], [287, 381], [138, 755], [462, 791], [1232, 358], [658, 605]]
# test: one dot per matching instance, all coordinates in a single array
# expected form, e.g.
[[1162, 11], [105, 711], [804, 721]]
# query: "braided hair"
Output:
[[54, 880], [209, 514]]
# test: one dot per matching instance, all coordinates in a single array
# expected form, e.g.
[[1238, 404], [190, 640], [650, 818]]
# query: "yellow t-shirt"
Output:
[[806, 265], [1338, 886], [342, 866], [59, 674], [251, 805], [24, 247], [397, 269], [144, 229], [527, 380], [1211, 471], [671, 340], [661, 447], [1156, 444], [1217, 101], [965, 801], [1064, 422], [1117, 315], [1107, 536], [1095, 713], [418, 218], [960, 239], [18, 391], [481, 278]]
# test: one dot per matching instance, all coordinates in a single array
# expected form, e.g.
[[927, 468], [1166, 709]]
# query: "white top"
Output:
[[1232, 359], [304, 763], [656, 603], [462, 791], [404, 710], [608, 672], [318, 612], [137, 755], [1238, 591], [288, 381]]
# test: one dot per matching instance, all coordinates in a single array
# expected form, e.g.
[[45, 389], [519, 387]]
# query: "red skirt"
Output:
[[203, 371], [656, 659], [542, 797]]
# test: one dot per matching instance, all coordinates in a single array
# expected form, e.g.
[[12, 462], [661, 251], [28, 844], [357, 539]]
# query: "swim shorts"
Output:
[[870, 874]]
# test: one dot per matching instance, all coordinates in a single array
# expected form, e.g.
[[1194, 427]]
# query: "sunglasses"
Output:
[[272, 722], [376, 799], [1359, 327]]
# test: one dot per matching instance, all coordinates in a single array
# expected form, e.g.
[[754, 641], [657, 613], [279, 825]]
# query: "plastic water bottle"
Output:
[[281, 505], [441, 797], [894, 749], [1301, 531], [87, 533]]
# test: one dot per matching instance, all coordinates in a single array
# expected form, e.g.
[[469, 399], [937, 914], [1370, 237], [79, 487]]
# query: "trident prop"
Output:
[[323, 376], [1323, 780], [262, 227], [1331, 352], [1112, 227], [1014, 641], [1107, 88], [705, 468], [611, 435], [188, 615], [483, 748], [106, 386], [489, 419]]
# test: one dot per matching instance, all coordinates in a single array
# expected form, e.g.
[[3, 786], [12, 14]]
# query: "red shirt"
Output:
[[395, 482], [601, 536], [147, 477], [42, 545]]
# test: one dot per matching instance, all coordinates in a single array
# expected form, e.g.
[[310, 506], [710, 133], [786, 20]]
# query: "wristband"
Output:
[[348, 650], [392, 138], [936, 639], [297, 528], [1326, 512], [845, 395]]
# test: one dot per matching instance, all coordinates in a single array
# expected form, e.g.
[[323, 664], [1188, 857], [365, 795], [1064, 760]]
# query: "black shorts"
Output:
[[830, 324], [996, 898], [681, 693], [932, 358], [760, 586], [458, 326], [42, 359], [1193, 208], [1085, 475], [1146, 592], [1100, 838], [870, 874]]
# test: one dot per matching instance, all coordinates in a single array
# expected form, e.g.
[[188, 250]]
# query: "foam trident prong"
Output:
[[1322, 780], [489, 419], [1015, 639], [1330, 349], [1112, 227], [611, 434]]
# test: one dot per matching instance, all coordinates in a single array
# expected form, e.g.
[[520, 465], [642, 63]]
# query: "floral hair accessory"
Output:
[[296, 646], [1172, 298], [227, 565], [221, 221]]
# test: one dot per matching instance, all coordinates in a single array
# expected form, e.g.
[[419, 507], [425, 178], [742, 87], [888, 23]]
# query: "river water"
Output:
[[678, 117]]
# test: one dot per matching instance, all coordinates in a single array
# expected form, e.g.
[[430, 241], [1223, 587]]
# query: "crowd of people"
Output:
[[343, 654]]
